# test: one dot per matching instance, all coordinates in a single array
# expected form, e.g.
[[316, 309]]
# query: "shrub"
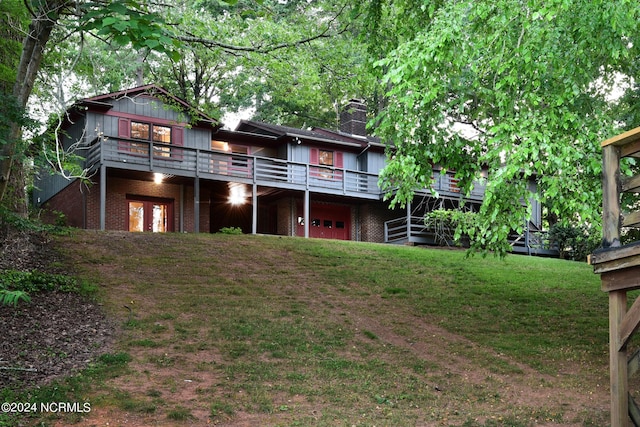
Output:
[[35, 281], [13, 297], [231, 230], [573, 242], [451, 226]]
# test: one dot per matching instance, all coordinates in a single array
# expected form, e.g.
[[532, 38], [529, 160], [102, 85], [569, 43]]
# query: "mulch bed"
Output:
[[55, 334]]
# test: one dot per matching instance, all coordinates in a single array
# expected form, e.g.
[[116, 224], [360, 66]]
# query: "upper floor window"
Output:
[[157, 133], [330, 162], [325, 157]]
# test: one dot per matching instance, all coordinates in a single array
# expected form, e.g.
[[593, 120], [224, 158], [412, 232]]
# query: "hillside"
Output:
[[261, 330]]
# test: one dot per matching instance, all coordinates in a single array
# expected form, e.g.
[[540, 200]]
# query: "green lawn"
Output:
[[263, 330]]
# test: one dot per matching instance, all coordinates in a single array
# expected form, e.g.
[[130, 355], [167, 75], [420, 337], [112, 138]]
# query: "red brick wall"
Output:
[[283, 215], [372, 218], [69, 202], [367, 220]]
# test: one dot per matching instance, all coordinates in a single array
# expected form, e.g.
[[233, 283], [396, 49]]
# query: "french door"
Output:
[[153, 215]]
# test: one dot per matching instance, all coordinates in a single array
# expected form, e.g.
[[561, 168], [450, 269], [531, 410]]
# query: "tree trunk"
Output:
[[11, 156]]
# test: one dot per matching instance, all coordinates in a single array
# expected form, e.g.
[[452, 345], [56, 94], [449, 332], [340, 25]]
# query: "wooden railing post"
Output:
[[610, 196], [619, 266], [617, 298]]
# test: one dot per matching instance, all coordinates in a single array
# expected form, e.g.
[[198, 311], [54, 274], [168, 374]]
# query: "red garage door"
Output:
[[327, 222]]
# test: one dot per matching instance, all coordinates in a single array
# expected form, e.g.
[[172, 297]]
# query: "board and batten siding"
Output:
[[148, 107], [372, 162]]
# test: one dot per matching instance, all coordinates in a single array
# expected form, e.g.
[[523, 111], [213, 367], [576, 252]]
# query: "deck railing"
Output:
[[413, 230], [209, 164]]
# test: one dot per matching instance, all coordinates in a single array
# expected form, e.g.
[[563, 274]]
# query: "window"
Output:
[[325, 158], [162, 134], [156, 133], [139, 131], [329, 164]]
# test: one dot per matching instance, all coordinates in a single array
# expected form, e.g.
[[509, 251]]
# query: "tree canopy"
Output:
[[521, 88]]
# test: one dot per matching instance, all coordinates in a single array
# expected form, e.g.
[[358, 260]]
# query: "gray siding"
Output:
[[197, 138], [149, 107], [99, 123], [375, 161], [299, 153]]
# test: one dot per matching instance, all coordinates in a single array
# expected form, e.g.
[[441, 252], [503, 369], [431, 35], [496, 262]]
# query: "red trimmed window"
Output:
[[161, 136], [331, 160]]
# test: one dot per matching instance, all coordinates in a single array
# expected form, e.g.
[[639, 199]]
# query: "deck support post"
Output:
[[409, 222], [619, 377], [306, 213], [254, 209], [181, 209], [196, 205], [103, 197]]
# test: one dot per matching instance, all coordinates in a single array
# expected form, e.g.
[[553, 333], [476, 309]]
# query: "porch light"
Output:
[[237, 194], [158, 177]]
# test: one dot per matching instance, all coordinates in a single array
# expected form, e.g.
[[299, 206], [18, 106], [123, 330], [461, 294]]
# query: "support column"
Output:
[[103, 197], [196, 205], [254, 203], [618, 370], [611, 196], [181, 219], [408, 222], [306, 213], [618, 361]]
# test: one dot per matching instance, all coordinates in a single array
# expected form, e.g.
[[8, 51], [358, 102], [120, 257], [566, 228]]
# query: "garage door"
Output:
[[327, 222]]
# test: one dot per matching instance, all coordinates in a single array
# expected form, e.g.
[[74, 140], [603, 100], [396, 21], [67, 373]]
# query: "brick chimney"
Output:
[[353, 118]]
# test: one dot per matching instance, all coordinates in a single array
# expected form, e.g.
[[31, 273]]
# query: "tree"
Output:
[[518, 87], [293, 62], [13, 18], [122, 21]]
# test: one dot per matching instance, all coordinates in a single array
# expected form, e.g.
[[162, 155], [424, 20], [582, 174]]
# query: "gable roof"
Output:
[[98, 103]]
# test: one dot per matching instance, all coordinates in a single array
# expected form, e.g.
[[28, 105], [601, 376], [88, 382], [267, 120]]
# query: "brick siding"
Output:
[[87, 215]]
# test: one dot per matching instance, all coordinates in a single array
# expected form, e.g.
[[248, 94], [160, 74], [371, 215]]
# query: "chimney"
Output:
[[353, 118]]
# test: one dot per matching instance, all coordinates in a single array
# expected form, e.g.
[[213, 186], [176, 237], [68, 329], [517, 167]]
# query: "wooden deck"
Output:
[[269, 172]]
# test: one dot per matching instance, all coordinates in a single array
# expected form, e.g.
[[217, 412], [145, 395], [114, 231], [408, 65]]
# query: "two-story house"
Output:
[[158, 164]]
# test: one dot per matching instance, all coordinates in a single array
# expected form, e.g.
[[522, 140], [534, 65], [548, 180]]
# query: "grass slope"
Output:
[[259, 330]]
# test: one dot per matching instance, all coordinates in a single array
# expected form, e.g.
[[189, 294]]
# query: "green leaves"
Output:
[[517, 87], [13, 297], [127, 22]]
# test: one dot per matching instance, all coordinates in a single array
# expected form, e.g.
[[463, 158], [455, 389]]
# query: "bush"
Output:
[[35, 281], [573, 242], [13, 297], [231, 230], [451, 226], [15, 286]]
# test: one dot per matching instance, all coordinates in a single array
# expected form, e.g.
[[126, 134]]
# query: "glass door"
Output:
[[149, 215]]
